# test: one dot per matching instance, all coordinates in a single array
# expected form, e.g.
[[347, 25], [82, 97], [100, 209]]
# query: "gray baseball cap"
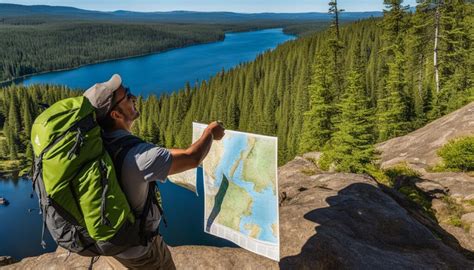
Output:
[[101, 95]]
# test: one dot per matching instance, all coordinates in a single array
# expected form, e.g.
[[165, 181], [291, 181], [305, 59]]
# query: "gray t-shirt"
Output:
[[144, 162]]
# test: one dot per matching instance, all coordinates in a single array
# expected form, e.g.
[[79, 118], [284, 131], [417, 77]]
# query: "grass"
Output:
[[455, 211], [380, 176], [389, 177], [309, 172], [401, 169], [416, 196]]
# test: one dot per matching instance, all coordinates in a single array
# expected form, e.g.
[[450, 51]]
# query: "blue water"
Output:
[[20, 222], [184, 213], [169, 71], [20, 230], [264, 212]]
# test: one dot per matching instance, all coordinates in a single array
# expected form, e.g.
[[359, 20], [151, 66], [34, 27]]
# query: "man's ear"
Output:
[[115, 115]]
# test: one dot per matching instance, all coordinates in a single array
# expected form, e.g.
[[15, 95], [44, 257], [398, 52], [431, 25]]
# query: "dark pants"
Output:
[[158, 257]]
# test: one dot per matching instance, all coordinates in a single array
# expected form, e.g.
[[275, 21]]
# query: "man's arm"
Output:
[[185, 159]]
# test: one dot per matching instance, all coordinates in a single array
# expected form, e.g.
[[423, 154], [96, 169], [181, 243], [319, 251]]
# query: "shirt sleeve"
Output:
[[152, 161]]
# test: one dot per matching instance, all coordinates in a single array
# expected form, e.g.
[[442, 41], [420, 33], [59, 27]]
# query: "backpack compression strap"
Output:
[[118, 150]]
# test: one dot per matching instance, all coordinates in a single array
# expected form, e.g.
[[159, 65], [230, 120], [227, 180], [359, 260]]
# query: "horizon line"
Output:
[[197, 11]]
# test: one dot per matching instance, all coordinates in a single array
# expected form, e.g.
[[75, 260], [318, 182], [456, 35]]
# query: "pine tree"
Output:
[[336, 46], [418, 42], [27, 122], [392, 111], [29, 152], [4, 151], [14, 116], [317, 126], [455, 50], [11, 140], [351, 146]]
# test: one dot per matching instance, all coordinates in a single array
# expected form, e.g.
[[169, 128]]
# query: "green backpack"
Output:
[[80, 197]]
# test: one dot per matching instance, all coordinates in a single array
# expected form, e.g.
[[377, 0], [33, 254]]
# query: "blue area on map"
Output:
[[264, 210]]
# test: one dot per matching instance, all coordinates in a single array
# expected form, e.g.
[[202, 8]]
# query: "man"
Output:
[[145, 162]]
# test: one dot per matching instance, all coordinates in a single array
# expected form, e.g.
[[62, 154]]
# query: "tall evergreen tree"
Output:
[[336, 46], [392, 109], [456, 71], [11, 140], [418, 42], [4, 151], [351, 146], [317, 126]]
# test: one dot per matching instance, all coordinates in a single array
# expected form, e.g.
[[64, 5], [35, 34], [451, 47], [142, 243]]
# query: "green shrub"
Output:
[[458, 154], [401, 169], [379, 175], [470, 202], [455, 211]]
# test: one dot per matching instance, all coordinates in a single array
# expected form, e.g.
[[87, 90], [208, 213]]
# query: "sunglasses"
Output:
[[127, 95]]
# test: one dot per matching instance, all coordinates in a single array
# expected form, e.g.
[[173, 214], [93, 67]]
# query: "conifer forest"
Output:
[[339, 91]]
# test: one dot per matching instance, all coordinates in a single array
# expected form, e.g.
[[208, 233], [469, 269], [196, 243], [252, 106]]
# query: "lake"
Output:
[[20, 227], [169, 71]]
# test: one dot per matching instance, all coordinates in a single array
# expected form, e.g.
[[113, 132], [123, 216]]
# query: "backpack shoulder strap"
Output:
[[118, 149]]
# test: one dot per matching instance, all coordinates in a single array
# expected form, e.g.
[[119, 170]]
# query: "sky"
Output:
[[245, 6]]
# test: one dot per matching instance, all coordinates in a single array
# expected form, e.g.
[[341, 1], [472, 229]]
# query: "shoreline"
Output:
[[23, 77], [14, 80]]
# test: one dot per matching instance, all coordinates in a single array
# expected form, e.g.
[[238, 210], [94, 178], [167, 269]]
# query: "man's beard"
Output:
[[137, 114]]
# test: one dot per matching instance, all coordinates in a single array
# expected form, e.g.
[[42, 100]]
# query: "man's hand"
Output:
[[216, 128], [185, 159]]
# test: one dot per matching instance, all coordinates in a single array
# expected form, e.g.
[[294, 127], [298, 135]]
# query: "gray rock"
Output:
[[419, 147], [468, 218], [432, 188], [465, 239], [440, 207], [460, 185], [312, 156]]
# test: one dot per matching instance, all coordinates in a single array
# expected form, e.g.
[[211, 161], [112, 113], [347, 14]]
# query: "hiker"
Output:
[[143, 164]]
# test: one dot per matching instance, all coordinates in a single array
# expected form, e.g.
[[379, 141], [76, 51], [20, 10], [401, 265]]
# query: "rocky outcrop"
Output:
[[419, 147], [327, 221], [452, 193]]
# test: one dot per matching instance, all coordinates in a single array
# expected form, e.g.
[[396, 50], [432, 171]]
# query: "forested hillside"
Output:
[[338, 91], [28, 49], [33, 44], [46, 38]]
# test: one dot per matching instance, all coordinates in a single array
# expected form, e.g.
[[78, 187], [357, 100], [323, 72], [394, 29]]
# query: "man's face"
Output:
[[125, 106]]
